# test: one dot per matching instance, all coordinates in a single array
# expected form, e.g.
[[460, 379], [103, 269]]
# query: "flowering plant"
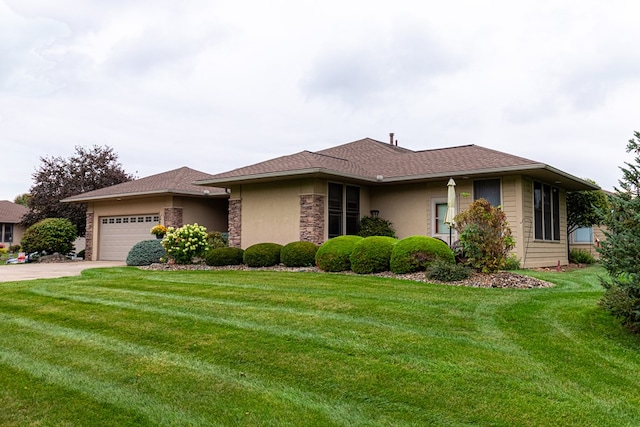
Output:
[[159, 230], [185, 243]]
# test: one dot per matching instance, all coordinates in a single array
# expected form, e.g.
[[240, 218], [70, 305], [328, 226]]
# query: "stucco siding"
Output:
[[407, 207], [271, 212]]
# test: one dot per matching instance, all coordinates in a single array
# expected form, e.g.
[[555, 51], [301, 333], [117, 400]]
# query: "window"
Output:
[[441, 212], [582, 235], [343, 209], [6, 232], [488, 189], [546, 209]]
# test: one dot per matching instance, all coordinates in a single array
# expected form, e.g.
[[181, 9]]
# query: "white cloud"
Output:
[[218, 85]]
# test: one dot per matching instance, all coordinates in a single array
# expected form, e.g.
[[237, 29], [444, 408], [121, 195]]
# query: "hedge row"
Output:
[[361, 255]]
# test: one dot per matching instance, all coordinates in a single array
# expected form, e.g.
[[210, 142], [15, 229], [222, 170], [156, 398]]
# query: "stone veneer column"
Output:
[[173, 217], [235, 223], [312, 218], [88, 247]]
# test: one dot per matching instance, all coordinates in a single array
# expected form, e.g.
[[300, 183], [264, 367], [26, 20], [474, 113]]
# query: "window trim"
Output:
[[435, 202]]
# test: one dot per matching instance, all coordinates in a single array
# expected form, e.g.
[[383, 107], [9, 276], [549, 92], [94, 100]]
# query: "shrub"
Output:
[[376, 226], [50, 235], [445, 271], [216, 239], [262, 255], [580, 256], [485, 236], [185, 243], [146, 252], [416, 252], [334, 254], [224, 256], [372, 254], [299, 254], [512, 263], [15, 248]]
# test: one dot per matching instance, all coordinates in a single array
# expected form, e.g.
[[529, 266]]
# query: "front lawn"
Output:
[[123, 346]]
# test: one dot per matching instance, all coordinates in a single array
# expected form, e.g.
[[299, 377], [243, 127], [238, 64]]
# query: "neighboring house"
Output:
[[10, 216], [588, 239], [314, 196], [121, 215]]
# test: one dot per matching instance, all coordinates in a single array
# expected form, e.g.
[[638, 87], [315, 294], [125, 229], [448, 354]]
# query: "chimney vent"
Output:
[[391, 138]]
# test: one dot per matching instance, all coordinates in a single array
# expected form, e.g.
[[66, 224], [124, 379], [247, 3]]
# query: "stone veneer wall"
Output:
[[173, 217], [312, 218], [88, 247], [235, 223]]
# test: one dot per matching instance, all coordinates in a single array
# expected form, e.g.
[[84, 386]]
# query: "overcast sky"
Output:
[[215, 85]]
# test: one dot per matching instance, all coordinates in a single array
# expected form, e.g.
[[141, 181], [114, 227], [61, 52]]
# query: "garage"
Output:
[[118, 234]]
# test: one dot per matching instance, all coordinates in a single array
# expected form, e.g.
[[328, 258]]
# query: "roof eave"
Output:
[[120, 196], [282, 175]]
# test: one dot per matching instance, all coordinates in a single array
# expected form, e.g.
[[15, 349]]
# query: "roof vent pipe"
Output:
[[391, 138]]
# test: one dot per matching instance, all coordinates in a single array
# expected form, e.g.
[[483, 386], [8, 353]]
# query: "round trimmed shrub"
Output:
[[50, 235], [334, 254], [372, 254], [414, 253], [262, 255], [224, 256], [146, 252], [299, 254]]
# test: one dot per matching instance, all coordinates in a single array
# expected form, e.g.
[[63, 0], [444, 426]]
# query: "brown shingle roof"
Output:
[[177, 181], [11, 213], [369, 160]]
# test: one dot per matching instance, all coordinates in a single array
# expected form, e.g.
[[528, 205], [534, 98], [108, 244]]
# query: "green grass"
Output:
[[124, 347]]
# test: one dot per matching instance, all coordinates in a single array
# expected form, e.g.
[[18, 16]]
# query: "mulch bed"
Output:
[[503, 279]]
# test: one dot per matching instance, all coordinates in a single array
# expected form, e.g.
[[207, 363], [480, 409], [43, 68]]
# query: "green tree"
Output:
[[57, 178], [485, 236], [584, 208], [620, 251], [23, 199], [50, 235]]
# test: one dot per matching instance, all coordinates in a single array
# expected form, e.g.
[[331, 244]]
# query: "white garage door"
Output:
[[118, 234]]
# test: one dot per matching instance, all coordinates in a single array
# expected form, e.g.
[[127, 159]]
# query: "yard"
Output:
[[123, 346]]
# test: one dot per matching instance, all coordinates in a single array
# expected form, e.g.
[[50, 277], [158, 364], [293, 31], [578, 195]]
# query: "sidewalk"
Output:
[[15, 272]]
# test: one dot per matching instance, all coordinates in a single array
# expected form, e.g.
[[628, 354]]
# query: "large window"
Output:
[[546, 209], [488, 189], [344, 209], [582, 235]]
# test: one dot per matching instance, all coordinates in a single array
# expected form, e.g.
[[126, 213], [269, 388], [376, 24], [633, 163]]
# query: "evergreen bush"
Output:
[[512, 263], [146, 252], [414, 253], [218, 257], [50, 235], [372, 254], [580, 256], [262, 255], [334, 254], [375, 226], [299, 254], [216, 239], [445, 271]]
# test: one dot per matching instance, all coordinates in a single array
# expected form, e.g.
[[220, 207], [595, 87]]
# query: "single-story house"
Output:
[[121, 215], [11, 215], [314, 196]]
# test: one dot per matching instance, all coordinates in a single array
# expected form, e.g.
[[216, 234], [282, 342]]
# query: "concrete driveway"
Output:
[[14, 272]]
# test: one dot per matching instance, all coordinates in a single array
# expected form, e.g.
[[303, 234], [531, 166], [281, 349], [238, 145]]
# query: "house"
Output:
[[121, 215], [10, 217], [314, 196]]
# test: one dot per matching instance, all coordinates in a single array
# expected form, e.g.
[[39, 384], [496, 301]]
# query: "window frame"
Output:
[[476, 190], [343, 205], [546, 212]]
